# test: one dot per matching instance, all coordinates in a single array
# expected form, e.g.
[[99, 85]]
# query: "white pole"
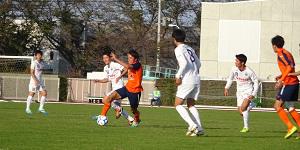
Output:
[[158, 37]]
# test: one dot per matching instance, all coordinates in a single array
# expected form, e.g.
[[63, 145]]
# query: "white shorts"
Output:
[[185, 91], [241, 96], [33, 88]]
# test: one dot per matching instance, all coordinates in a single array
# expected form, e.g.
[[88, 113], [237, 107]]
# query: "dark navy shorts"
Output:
[[288, 93], [134, 98]]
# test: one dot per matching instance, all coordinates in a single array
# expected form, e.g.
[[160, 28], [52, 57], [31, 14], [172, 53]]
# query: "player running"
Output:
[[115, 73], [132, 89], [288, 86], [37, 83], [188, 83], [247, 87]]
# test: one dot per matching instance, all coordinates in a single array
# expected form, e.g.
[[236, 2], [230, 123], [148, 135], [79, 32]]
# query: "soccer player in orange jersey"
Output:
[[132, 89], [288, 86]]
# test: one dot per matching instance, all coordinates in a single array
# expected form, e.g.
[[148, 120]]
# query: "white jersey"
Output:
[[246, 80], [113, 71], [189, 64], [38, 70]]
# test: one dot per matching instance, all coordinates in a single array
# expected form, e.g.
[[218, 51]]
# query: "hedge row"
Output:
[[212, 93]]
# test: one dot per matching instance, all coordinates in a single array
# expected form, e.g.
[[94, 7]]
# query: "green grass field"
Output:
[[71, 127]]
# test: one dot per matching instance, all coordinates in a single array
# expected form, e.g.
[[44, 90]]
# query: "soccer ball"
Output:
[[102, 120]]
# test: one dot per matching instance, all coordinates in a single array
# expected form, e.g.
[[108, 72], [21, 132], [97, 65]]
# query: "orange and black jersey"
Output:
[[286, 65], [135, 76]]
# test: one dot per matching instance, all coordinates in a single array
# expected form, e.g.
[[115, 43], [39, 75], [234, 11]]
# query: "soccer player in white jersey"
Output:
[[36, 82], [247, 86], [115, 73], [188, 83]]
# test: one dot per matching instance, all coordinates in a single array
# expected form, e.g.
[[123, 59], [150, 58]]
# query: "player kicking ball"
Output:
[[288, 86], [115, 73], [132, 89], [36, 82], [247, 86], [188, 83]]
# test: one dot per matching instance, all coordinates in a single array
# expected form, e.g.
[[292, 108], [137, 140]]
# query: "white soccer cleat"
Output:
[[191, 130], [28, 112], [43, 111], [197, 132]]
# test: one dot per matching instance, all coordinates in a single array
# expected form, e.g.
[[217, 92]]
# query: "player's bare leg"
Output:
[[107, 102], [28, 102], [195, 117]]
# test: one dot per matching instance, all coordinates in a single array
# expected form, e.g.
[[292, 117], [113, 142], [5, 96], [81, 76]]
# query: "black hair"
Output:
[[106, 50], [38, 52], [278, 41], [133, 53], [107, 53], [178, 35], [242, 58]]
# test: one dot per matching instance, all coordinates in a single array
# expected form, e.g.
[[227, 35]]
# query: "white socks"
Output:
[[195, 115], [42, 102], [184, 115], [116, 106], [245, 118], [28, 102]]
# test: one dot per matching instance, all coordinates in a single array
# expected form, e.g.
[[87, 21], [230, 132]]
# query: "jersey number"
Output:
[[192, 58]]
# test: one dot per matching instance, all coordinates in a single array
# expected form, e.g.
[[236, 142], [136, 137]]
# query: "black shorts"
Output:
[[134, 98], [288, 93]]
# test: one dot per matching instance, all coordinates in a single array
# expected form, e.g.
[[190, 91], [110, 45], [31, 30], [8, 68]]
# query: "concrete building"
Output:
[[247, 27]]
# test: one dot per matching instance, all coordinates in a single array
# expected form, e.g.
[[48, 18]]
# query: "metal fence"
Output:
[[15, 86]]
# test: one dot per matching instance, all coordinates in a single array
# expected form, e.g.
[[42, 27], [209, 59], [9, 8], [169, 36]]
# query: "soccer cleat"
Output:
[[28, 112], [119, 112], [244, 130], [43, 111], [191, 130], [197, 132], [290, 132], [135, 123]]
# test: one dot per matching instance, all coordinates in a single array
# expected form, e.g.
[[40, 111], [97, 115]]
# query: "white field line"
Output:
[[204, 107]]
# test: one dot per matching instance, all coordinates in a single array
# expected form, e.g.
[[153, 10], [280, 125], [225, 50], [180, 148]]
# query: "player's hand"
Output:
[[96, 81], [226, 93], [36, 82], [117, 79], [250, 97], [178, 81], [278, 84], [113, 56], [277, 77]]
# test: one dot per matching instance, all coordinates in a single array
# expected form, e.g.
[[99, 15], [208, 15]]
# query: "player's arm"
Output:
[[125, 65], [102, 80], [182, 62], [294, 73], [228, 83], [255, 81], [124, 71], [32, 73]]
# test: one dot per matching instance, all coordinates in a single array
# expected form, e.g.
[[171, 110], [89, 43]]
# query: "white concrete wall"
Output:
[[277, 17]]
